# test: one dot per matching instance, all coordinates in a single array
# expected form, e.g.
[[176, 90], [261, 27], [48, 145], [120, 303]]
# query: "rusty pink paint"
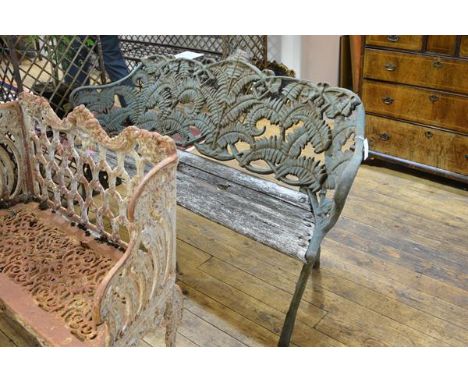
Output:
[[97, 257]]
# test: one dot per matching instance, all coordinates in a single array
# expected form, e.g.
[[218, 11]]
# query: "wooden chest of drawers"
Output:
[[415, 91]]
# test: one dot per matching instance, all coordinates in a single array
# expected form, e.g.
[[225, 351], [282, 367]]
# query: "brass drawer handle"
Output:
[[393, 38], [433, 98], [428, 134], [390, 67], [387, 100], [384, 137], [437, 64]]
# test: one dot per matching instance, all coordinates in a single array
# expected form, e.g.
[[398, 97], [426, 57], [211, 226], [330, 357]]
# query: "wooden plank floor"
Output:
[[394, 273]]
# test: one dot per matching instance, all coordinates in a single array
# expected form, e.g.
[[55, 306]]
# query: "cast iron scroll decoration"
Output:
[[11, 163], [60, 273], [134, 211], [298, 131]]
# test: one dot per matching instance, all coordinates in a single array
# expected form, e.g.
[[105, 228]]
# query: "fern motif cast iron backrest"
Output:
[[309, 136]]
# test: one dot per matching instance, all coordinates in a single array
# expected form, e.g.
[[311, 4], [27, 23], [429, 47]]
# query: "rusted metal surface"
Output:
[[60, 267], [116, 298]]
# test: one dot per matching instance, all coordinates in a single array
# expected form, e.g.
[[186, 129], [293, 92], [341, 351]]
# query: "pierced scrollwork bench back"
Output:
[[309, 136], [70, 168]]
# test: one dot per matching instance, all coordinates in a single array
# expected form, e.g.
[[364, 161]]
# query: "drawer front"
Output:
[[433, 147], [464, 47], [406, 68], [442, 44], [396, 41], [432, 107]]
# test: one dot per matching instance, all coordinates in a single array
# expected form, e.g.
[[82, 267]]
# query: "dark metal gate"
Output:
[[217, 47], [52, 66]]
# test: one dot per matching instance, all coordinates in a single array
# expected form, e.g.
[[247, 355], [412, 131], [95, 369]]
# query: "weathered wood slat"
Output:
[[250, 181], [225, 184], [246, 211], [261, 210]]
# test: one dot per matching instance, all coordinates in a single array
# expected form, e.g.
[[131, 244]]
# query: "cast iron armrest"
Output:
[[139, 284], [136, 211]]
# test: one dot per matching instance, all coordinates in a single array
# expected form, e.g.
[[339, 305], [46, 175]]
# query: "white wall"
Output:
[[314, 58]]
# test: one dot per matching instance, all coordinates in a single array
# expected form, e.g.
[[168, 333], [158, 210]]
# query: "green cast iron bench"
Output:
[[309, 136]]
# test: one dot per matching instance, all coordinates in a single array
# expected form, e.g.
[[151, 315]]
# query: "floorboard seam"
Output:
[[240, 314], [255, 298], [217, 327], [226, 307]]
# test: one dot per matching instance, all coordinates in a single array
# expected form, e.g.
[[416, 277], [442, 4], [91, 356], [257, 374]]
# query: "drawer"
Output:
[[464, 46], [396, 41], [442, 44], [429, 146], [406, 68], [418, 105]]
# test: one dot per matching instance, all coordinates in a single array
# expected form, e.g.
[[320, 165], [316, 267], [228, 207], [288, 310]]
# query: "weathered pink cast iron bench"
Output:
[[85, 261]]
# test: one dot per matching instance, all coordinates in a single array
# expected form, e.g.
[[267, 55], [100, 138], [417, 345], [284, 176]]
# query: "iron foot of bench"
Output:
[[317, 261], [288, 326], [173, 316]]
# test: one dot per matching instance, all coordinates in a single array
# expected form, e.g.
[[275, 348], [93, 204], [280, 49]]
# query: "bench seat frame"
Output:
[[58, 163]]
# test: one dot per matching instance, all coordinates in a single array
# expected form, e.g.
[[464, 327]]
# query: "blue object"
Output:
[[114, 63]]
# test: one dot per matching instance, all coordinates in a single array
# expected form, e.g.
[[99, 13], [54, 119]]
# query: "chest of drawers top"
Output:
[[454, 46], [415, 91], [435, 62]]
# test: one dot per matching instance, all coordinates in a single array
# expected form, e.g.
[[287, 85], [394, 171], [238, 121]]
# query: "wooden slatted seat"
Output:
[[308, 136], [85, 261], [274, 215]]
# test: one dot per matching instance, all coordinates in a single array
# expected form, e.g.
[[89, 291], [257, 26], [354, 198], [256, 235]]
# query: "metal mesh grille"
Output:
[[136, 46], [256, 46], [51, 66]]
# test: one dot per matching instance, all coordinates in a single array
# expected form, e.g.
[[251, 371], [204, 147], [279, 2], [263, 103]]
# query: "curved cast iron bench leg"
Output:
[[317, 261], [173, 316], [290, 320]]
